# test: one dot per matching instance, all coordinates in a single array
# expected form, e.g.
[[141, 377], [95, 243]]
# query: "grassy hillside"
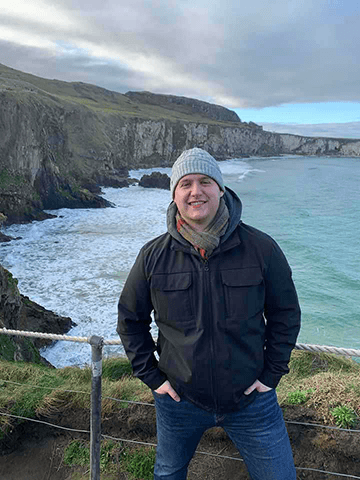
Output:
[[98, 99], [323, 388]]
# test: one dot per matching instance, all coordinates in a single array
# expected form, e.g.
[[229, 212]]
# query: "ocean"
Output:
[[76, 264]]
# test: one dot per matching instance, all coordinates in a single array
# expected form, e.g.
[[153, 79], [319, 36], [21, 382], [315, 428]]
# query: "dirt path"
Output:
[[35, 451]]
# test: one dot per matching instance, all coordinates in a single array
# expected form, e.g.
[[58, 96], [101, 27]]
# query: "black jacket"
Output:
[[223, 323]]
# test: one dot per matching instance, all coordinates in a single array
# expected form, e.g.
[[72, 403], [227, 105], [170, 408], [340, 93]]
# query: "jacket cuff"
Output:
[[269, 379], [154, 379]]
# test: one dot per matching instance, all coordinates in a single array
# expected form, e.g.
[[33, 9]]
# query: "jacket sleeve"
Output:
[[282, 316], [134, 321]]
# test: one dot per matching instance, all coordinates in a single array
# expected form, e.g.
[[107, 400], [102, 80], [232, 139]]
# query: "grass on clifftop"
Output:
[[328, 385], [26, 87], [321, 382]]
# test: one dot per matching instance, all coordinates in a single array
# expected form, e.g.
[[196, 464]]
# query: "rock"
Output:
[[18, 312], [114, 181], [34, 317], [155, 180], [56, 192], [5, 238]]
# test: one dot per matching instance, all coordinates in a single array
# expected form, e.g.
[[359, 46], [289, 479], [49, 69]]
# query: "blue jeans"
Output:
[[258, 431]]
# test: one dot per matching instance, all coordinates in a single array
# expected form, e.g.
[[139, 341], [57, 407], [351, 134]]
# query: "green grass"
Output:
[[114, 458], [298, 397], [139, 462], [115, 368], [77, 453], [307, 364], [344, 416]]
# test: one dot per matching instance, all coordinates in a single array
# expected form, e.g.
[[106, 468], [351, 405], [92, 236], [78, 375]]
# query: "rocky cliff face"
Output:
[[295, 144], [18, 312], [36, 168], [59, 141]]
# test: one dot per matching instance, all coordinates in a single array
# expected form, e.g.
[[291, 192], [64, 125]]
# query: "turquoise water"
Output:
[[311, 206], [76, 264]]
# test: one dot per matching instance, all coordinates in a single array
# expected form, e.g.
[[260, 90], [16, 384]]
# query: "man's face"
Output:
[[197, 198]]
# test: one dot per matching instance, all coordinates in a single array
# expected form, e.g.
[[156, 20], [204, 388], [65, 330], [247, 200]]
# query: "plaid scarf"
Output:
[[206, 241]]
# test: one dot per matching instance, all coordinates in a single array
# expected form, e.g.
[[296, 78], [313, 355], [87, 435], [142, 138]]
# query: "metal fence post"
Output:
[[95, 420]]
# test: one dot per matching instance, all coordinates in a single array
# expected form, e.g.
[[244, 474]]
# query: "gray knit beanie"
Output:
[[195, 160]]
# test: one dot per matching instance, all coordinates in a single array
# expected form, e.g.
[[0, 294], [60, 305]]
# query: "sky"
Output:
[[292, 66]]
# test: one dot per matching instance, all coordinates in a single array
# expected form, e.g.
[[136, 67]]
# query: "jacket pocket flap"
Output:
[[243, 277], [173, 281]]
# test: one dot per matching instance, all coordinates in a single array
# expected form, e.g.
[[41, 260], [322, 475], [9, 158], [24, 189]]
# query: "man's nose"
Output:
[[195, 188]]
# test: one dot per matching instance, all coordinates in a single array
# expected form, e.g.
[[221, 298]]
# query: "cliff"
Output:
[[338, 147], [59, 141], [18, 312]]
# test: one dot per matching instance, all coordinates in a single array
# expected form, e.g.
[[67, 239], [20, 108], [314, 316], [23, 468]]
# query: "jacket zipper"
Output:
[[211, 332]]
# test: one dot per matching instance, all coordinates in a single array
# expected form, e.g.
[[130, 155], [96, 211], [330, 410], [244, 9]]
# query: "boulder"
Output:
[[5, 238], [155, 180]]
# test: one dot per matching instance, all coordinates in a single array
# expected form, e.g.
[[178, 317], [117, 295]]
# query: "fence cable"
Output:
[[45, 423], [325, 471], [348, 352], [349, 430]]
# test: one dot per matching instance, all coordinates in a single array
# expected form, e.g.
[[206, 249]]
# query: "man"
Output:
[[228, 317]]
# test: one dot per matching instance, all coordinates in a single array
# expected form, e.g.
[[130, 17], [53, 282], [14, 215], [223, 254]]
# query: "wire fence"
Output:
[[97, 344]]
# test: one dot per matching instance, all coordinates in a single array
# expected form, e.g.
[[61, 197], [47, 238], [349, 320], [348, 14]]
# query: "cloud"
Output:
[[74, 65], [242, 55]]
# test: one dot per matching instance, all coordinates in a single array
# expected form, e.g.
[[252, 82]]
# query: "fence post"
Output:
[[95, 420]]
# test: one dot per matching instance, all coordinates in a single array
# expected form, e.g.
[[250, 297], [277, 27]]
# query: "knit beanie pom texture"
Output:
[[195, 160]]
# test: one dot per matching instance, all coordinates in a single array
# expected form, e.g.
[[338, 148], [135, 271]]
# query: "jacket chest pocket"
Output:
[[244, 293], [171, 296]]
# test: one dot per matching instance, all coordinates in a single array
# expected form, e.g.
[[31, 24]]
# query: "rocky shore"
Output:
[[18, 312]]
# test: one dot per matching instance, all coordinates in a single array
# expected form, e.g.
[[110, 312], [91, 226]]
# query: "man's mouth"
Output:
[[196, 204]]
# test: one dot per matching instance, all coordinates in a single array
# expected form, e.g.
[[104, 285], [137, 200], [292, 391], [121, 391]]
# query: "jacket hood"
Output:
[[233, 203]]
